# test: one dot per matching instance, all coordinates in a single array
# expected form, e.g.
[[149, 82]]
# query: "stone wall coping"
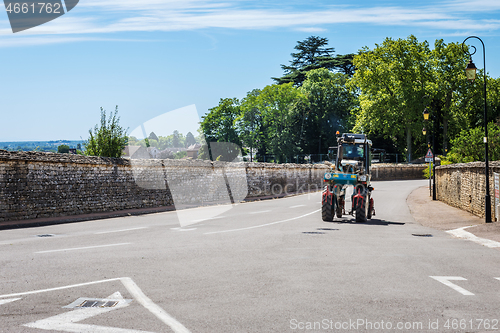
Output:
[[47, 157], [471, 165]]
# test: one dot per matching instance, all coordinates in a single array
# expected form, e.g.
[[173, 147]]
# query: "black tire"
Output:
[[326, 207], [361, 208], [339, 208], [370, 209]]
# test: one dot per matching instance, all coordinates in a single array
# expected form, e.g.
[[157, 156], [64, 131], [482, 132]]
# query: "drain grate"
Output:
[[422, 235], [45, 235], [97, 304], [85, 302], [313, 232]]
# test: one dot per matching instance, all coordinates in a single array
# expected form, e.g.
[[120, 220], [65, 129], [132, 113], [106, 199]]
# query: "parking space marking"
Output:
[[83, 248], [446, 281]]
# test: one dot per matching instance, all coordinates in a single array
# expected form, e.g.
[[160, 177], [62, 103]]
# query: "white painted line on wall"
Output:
[[262, 225], [5, 301], [446, 281], [122, 230], [260, 212], [461, 233], [83, 248], [297, 206]]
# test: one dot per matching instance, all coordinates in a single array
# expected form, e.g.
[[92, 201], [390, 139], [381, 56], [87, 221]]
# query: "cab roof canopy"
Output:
[[355, 138]]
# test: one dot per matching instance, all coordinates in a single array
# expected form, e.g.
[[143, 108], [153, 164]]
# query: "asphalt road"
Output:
[[268, 266]]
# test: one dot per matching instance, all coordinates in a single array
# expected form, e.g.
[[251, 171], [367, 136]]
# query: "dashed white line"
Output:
[[122, 230], [297, 206], [262, 225], [83, 248], [260, 212], [461, 233]]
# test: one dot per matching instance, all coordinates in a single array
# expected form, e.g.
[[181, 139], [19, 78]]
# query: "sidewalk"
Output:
[[438, 215]]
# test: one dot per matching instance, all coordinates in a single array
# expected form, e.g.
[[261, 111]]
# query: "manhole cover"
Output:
[[327, 229], [422, 235], [313, 232], [46, 235]]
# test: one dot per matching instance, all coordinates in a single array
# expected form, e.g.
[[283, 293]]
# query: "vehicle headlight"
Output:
[[328, 176], [362, 178]]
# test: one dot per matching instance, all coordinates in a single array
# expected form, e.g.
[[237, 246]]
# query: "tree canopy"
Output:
[[108, 139]]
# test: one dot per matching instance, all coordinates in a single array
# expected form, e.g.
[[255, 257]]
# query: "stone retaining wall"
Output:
[[463, 186], [37, 185], [397, 171]]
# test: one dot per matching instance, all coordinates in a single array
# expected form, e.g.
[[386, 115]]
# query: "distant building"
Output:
[[192, 151], [136, 152]]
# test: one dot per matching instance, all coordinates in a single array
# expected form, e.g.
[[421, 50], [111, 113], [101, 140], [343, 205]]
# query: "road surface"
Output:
[[268, 266]]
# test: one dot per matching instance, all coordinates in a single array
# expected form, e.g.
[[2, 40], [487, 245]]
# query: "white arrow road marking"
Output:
[[461, 233], [67, 322], [446, 281], [134, 290], [5, 301]]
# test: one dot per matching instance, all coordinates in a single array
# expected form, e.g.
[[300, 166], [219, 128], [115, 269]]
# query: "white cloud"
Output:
[[112, 16]]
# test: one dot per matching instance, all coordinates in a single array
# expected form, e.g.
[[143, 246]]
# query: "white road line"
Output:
[[446, 281], [461, 233], [498, 279], [60, 288], [297, 206], [137, 293], [5, 301], [181, 229], [260, 212], [122, 230], [83, 248], [262, 225]]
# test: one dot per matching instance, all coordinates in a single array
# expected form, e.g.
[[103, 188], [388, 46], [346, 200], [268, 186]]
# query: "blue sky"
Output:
[[150, 57]]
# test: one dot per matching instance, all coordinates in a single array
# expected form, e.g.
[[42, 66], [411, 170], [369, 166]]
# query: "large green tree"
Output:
[[330, 104], [107, 139], [218, 125], [313, 53]]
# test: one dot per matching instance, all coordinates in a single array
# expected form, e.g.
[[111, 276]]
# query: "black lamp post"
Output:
[[470, 72], [426, 115]]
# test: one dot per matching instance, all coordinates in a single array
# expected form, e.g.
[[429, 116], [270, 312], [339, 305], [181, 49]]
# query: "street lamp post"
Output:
[[426, 118], [470, 72]]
